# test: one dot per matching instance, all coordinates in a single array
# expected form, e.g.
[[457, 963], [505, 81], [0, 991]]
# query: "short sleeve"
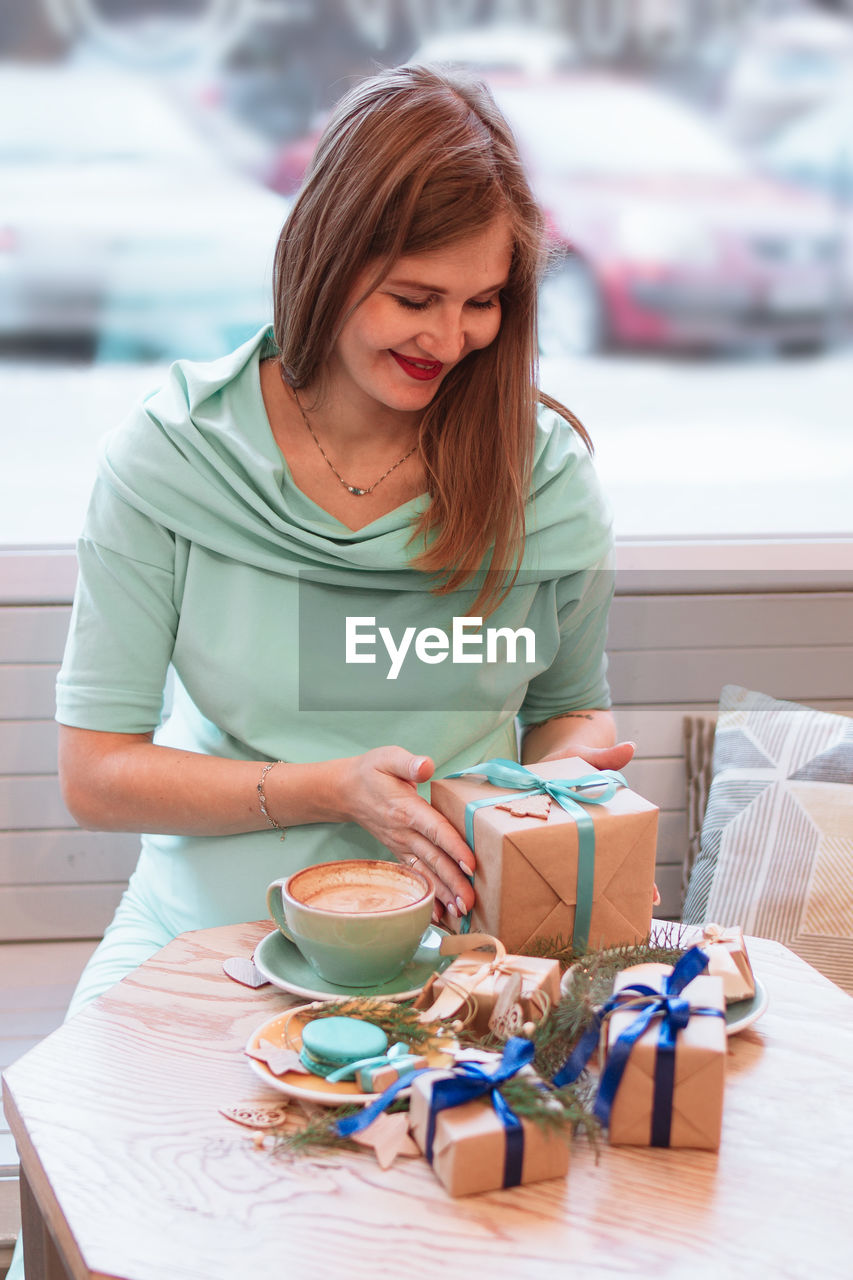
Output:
[[577, 678], [123, 623]]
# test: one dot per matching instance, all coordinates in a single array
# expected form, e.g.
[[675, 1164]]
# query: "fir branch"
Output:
[[317, 1131], [590, 981], [668, 937], [590, 984], [320, 1130], [559, 1110]]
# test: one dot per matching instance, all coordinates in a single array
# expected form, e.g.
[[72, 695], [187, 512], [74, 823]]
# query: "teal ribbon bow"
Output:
[[570, 794]]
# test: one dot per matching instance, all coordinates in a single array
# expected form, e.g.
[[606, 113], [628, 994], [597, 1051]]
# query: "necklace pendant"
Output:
[[350, 488]]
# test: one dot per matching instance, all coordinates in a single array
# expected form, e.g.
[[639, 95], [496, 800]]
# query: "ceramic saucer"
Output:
[[285, 1032], [743, 1013], [284, 966]]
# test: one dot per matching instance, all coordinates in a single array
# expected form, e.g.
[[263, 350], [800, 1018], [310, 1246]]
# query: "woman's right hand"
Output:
[[125, 782], [379, 791]]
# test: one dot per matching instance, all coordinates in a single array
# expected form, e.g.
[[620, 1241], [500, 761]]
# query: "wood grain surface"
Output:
[[140, 1177]]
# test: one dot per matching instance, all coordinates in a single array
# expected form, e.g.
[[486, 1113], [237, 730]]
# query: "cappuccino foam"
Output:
[[354, 898]]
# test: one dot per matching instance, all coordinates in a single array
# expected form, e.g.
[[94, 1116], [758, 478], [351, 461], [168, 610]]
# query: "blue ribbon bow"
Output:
[[675, 1013], [470, 1080], [570, 794]]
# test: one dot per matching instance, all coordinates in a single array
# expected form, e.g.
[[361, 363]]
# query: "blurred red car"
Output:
[[672, 239], [667, 236]]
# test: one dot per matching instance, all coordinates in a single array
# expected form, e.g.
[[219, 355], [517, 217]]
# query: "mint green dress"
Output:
[[210, 585]]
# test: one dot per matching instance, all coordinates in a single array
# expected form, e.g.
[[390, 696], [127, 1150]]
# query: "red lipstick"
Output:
[[422, 370]]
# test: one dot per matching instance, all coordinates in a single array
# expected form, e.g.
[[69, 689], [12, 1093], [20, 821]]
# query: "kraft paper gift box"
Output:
[[700, 1067], [728, 960], [526, 877], [485, 979], [469, 1143]]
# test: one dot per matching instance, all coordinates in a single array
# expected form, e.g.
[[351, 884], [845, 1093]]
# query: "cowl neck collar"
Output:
[[198, 457]]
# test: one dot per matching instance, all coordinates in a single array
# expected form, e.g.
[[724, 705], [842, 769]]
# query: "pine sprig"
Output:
[[564, 1110], [321, 1131], [667, 938], [590, 982], [316, 1131]]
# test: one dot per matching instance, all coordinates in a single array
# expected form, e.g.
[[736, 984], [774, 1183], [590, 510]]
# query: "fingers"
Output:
[[421, 769], [452, 888], [423, 819], [438, 909], [383, 799], [620, 755], [402, 764], [615, 757]]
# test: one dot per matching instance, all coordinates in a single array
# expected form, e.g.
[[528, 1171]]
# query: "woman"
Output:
[[383, 454]]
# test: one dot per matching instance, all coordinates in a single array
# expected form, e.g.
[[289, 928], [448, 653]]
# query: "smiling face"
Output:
[[428, 313]]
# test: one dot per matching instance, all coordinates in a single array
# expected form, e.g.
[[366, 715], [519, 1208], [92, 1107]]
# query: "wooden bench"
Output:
[[670, 653]]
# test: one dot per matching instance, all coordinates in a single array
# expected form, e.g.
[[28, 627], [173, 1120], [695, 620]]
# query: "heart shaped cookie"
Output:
[[245, 971]]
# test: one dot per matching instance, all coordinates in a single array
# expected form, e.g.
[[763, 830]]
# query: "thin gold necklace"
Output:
[[354, 489]]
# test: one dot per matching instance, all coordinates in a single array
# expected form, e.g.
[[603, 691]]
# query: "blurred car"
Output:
[[500, 49], [816, 150], [119, 225], [788, 65], [670, 237], [484, 50], [816, 153]]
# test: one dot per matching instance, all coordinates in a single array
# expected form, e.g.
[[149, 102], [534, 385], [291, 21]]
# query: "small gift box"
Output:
[[376, 1078], [729, 961], [670, 1060], [497, 992], [665, 1058], [563, 851], [472, 1139]]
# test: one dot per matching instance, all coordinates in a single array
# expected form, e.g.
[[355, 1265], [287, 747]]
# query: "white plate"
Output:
[[743, 1013]]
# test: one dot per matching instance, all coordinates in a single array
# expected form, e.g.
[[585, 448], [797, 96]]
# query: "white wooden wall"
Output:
[[670, 655], [55, 880]]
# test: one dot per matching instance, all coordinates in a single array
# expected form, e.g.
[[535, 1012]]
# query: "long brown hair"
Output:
[[411, 160]]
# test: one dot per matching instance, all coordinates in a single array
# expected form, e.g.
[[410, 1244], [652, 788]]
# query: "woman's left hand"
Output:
[[615, 757]]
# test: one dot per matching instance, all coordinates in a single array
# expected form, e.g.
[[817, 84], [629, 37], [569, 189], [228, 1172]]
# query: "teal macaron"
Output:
[[331, 1043]]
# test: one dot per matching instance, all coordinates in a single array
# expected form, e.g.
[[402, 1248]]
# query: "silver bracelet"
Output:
[[262, 800]]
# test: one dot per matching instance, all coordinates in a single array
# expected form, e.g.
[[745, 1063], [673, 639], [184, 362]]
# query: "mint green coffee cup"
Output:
[[357, 923]]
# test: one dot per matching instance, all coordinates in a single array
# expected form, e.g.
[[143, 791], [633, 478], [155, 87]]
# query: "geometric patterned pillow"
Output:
[[776, 853]]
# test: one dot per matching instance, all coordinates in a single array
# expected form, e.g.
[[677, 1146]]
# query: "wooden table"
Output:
[[129, 1170]]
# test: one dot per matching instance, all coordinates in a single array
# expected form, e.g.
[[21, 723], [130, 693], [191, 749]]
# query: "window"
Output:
[[697, 317]]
